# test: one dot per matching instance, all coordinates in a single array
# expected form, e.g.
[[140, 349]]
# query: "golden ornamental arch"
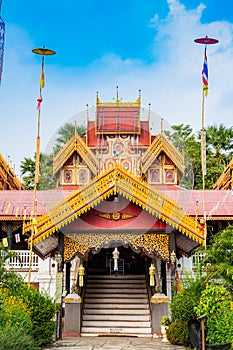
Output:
[[150, 243]]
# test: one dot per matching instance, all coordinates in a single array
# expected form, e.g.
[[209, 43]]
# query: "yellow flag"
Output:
[[42, 78], [5, 242]]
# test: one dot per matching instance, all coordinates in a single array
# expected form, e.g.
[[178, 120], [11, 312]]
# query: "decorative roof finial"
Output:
[[161, 126], [117, 96], [87, 114], [97, 97], [149, 113], [75, 127]]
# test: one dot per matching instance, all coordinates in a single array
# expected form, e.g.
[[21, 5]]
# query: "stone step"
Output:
[[117, 317], [125, 291], [116, 324], [129, 306], [115, 285], [116, 305], [129, 335], [116, 277], [114, 330], [117, 300], [116, 311]]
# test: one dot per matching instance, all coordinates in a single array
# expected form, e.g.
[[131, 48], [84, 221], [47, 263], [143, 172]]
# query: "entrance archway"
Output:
[[129, 262]]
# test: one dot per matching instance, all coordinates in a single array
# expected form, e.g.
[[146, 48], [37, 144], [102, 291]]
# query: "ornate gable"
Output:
[[112, 182], [225, 182], [162, 162], [8, 180], [75, 163]]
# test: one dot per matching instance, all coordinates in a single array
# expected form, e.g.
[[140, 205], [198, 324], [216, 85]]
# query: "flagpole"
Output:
[[2, 41], [43, 52], [204, 41]]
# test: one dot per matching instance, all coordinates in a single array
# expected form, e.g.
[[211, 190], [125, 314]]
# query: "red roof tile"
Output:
[[218, 204]]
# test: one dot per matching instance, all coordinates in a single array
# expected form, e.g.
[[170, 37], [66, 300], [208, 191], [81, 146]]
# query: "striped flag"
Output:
[[17, 237], [205, 75]]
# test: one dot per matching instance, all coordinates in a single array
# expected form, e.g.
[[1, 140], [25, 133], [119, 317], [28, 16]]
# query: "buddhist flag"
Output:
[[42, 77], [205, 74], [17, 238]]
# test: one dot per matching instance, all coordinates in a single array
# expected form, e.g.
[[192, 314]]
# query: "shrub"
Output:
[[165, 320], [183, 304], [12, 338], [14, 312], [29, 309], [215, 303], [178, 334], [42, 311]]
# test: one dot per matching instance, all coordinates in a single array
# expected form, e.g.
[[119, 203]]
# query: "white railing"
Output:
[[197, 257], [22, 261]]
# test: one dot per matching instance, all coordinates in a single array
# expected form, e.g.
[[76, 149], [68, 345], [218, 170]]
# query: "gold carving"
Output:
[[112, 181], [116, 216], [82, 243]]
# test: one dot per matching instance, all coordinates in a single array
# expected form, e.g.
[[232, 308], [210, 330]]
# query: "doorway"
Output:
[[129, 262]]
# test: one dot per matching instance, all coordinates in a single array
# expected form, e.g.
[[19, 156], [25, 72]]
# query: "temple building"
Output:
[[119, 224]]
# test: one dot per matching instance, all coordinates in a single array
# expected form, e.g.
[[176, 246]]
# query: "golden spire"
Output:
[[161, 125], [117, 96], [97, 97]]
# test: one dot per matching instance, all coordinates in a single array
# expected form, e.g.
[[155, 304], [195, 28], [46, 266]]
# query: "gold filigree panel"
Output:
[[82, 243]]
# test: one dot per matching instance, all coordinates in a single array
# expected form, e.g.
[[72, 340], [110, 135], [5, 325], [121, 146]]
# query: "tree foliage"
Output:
[[219, 143], [218, 260], [24, 307], [46, 178]]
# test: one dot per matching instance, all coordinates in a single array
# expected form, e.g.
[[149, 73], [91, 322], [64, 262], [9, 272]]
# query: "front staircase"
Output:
[[116, 305]]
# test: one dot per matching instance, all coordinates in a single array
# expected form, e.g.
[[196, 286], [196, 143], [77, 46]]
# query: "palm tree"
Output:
[[179, 136], [27, 167], [219, 140], [65, 133]]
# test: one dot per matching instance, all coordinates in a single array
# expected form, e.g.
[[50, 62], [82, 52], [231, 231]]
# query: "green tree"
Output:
[[46, 179], [5, 254], [219, 140], [27, 167], [218, 260], [65, 133], [186, 143], [219, 144]]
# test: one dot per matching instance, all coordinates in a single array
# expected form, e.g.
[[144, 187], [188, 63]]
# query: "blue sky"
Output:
[[133, 44]]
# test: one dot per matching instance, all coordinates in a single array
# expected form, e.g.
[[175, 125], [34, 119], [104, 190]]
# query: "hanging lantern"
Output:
[[173, 257], [81, 272], [152, 275]]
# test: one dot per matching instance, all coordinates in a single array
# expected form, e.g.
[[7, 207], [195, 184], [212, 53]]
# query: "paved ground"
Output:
[[113, 343]]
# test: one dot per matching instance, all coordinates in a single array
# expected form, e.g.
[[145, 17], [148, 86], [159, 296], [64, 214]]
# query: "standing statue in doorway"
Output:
[[115, 256]]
